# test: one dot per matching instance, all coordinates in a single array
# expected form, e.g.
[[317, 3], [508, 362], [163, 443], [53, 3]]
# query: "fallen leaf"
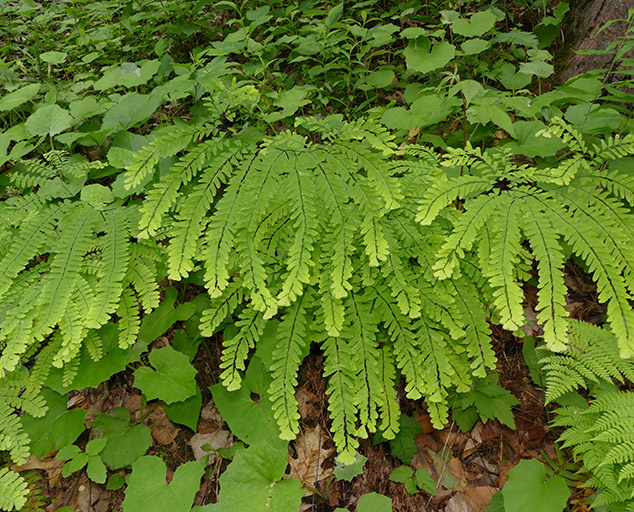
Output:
[[210, 419], [48, 463], [425, 422], [306, 466], [163, 430], [479, 497], [215, 440]]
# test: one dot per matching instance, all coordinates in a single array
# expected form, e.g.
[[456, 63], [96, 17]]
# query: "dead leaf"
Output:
[[479, 497], [210, 419], [458, 503], [306, 466], [48, 463], [163, 430], [216, 440], [425, 423]]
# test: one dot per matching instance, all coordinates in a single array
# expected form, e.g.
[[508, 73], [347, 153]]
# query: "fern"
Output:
[[13, 490]]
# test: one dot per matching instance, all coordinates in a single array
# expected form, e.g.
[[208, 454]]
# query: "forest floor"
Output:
[[469, 467]]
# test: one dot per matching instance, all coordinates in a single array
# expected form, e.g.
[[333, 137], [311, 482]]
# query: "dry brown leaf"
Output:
[[210, 419], [48, 463], [306, 466], [163, 430], [479, 497]]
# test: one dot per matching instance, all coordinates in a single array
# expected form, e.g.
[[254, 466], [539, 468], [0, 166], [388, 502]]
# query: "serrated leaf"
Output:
[[348, 471], [149, 492], [173, 379], [96, 470], [48, 120], [528, 489], [403, 445], [95, 446]]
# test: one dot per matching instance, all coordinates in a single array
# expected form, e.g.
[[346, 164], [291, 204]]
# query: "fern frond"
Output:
[[291, 347], [361, 335], [162, 197], [388, 405], [58, 285], [26, 245], [439, 195], [341, 404], [220, 308], [465, 231], [550, 260], [114, 262], [169, 144], [13, 490], [250, 325], [129, 320], [507, 293]]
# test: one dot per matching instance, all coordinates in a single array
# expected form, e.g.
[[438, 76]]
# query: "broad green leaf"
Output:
[[289, 101], [512, 79], [131, 110], [474, 46], [348, 471], [403, 445], [96, 195], [53, 57], [529, 144], [125, 444], [374, 502], [16, 98], [253, 481], [48, 120], [68, 452], [419, 57], [537, 68], [58, 428], [127, 75], [425, 481], [479, 23], [149, 492], [380, 79], [95, 446], [186, 412], [528, 489], [405, 475], [249, 420], [115, 482], [96, 470], [173, 379]]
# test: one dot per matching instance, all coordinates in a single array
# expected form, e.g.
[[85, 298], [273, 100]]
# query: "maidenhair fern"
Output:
[[575, 205], [68, 262], [316, 233]]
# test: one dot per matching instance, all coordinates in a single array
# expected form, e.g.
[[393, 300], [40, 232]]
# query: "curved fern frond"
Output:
[[13, 490], [291, 347], [250, 325]]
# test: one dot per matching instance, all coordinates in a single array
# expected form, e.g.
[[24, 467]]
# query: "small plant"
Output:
[[90, 459]]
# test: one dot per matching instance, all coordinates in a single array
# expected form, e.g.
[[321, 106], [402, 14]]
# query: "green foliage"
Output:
[[76, 460], [348, 472], [486, 401], [125, 443], [173, 379], [374, 502], [147, 489], [223, 160], [421, 480], [528, 489]]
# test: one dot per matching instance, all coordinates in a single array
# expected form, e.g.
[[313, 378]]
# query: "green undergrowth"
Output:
[[376, 182]]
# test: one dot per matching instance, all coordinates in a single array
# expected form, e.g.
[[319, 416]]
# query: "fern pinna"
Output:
[[68, 262], [316, 233]]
